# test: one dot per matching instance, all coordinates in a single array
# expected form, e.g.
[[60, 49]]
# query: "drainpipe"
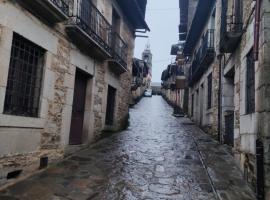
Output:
[[257, 29], [220, 136], [260, 170], [259, 144]]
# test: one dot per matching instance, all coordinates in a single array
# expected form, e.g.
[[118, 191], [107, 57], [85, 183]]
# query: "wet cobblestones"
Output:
[[156, 158]]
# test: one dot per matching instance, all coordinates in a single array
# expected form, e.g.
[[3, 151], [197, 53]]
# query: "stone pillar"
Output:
[[60, 66]]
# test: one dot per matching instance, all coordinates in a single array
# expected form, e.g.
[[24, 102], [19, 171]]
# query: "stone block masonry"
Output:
[[24, 140]]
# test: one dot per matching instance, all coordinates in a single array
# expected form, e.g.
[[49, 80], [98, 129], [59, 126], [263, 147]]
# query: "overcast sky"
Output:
[[162, 17]]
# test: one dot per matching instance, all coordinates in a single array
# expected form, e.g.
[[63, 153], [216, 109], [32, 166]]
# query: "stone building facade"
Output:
[[147, 57], [174, 87], [141, 75], [245, 87], [239, 75], [65, 76], [139, 83], [203, 65]]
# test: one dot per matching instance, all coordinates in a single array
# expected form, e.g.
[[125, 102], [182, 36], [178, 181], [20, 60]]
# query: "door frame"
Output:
[[88, 83]]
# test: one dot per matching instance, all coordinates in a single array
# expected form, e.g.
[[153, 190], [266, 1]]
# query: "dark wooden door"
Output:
[[229, 129], [110, 106], [76, 127]]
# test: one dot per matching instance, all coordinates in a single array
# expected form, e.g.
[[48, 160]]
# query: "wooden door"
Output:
[[201, 105], [110, 106], [229, 129], [76, 128]]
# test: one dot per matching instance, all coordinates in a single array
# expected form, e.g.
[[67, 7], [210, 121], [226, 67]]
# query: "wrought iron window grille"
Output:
[[250, 83], [24, 78]]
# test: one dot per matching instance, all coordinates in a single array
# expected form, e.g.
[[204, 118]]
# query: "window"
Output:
[[250, 83], [209, 92], [24, 78]]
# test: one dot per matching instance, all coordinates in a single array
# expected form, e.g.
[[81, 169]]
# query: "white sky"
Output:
[[162, 17]]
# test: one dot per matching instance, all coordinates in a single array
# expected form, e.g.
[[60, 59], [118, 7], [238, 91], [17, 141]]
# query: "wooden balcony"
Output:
[[90, 31], [52, 11]]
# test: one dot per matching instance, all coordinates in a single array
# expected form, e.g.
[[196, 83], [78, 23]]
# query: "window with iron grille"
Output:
[[250, 83], [24, 78], [209, 92]]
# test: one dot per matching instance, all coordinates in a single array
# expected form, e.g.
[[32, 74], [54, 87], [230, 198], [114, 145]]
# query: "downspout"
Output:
[[259, 144], [257, 29], [220, 136]]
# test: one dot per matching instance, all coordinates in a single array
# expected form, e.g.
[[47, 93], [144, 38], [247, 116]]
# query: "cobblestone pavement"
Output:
[[158, 157]]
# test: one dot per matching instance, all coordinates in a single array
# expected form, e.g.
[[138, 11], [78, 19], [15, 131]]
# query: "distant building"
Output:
[[156, 88], [140, 72], [174, 85], [148, 57]]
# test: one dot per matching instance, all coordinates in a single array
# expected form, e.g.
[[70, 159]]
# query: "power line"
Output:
[[162, 9], [162, 61]]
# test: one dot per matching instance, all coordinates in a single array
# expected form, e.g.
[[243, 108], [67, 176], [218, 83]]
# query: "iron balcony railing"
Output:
[[94, 24], [208, 42], [119, 48], [61, 5], [197, 67], [195, 62], [207, 48], [90, 20]]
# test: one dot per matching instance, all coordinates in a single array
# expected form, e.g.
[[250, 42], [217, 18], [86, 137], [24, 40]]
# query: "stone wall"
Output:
[[23, 140], [206, 118], [263, 90], [234, 69]]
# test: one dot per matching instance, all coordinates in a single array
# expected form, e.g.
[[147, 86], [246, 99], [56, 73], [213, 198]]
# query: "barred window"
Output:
[[250, 83], [209, 92], [24, 78]]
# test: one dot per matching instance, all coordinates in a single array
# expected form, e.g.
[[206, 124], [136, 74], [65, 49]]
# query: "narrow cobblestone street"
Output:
[[157, 157]]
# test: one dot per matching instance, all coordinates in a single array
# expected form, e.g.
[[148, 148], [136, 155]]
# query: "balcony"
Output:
[[204, 56], [52, 11], [231, 33], [136, 83], [90, 31], [208, 48], [196, 70], [118, 62]]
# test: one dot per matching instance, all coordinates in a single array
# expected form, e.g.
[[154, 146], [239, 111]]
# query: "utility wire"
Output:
[[162, 9], [156, 61], [162, 61]]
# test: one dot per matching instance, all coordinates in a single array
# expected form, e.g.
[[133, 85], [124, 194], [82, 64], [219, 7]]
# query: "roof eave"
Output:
[[201, 16]]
